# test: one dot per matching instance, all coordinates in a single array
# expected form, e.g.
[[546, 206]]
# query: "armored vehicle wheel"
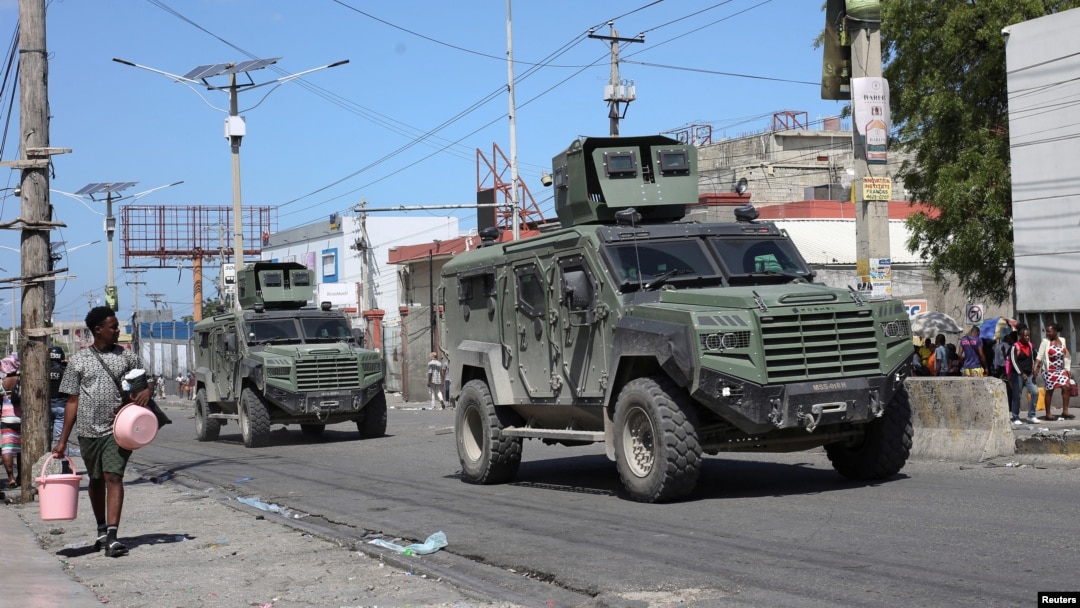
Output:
[[486, 456], [254, 419], [312, 429], [206, 428], [884, 447], [373, 424], [656, 444]]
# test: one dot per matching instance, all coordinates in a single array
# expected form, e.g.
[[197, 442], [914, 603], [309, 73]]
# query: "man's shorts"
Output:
[[101, 455], [974, 372]]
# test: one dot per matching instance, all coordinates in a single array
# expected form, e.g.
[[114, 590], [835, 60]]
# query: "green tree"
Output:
[[945, 63]]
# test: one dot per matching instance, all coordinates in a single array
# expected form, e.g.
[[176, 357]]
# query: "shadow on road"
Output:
[[720, 478]]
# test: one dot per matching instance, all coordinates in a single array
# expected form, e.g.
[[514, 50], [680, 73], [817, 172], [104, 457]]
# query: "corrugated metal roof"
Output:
[[833, 241]]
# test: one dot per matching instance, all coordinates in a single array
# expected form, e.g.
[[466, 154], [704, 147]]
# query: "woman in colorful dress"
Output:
[[1055, 362], [10, 421]]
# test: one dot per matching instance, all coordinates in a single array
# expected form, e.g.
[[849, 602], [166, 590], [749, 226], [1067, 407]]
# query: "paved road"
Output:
[[761, 530]]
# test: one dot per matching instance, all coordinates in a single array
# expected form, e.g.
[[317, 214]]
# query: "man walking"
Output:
[[92, 381], [436, 372]]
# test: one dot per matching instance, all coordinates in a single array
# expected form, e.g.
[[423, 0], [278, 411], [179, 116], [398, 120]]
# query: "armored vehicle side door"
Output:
[[225, 361], [532, 354], [584, 346]]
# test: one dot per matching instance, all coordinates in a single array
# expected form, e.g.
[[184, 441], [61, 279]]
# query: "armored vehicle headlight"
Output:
[[725, 341], [896, 329]]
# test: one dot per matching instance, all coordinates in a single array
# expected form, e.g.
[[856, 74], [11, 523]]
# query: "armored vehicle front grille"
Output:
[[810, 346], [327, 373]]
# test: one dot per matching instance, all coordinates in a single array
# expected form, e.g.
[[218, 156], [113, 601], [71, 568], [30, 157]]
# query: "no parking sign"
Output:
[[974, 314]]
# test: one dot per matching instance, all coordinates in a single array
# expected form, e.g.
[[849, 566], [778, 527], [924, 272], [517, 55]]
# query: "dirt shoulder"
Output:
[[189, 547]]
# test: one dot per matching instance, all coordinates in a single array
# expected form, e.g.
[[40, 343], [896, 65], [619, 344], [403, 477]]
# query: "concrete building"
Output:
[[331, 250], [1042, 58]]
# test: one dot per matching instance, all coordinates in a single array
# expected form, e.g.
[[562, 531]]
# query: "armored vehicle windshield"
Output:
[[704, 261]]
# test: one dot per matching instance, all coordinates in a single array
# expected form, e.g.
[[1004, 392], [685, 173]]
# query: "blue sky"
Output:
[[358, 131]]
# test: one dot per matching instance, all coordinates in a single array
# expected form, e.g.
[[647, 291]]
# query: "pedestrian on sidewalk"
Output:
[[11, 420], [436, 371], [973, 359], [57, 399], [1021, 364], [1055, 361], [92, 380]]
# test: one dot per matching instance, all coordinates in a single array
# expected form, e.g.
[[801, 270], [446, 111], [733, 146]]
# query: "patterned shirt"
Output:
[[99, 397]]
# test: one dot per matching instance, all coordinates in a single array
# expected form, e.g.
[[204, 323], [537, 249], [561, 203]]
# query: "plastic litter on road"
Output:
[[433, 543]]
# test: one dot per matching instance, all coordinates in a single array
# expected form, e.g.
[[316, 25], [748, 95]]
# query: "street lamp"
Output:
[[110, 190], [235, 127]]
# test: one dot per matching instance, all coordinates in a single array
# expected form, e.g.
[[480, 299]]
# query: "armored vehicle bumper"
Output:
[[323, 407], [815, 405]]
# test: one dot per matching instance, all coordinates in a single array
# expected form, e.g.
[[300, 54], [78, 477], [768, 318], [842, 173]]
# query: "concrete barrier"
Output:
[[960, 419]]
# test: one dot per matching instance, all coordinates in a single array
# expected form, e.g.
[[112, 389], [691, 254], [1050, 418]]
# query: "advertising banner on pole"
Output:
[[870, 102]]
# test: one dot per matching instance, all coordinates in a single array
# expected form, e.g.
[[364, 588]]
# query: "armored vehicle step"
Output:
[[560, 434]]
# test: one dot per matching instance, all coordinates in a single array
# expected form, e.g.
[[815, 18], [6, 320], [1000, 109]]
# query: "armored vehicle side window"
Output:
[[578, 286], [753, 256], [530, 290], [476, 290], [645, 261]]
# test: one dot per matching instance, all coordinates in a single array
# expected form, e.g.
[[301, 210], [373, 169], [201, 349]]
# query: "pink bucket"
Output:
[[134, 426], [58, 495]]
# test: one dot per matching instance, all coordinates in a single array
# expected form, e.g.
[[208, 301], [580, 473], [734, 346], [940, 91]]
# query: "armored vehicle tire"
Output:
[[656, 444], [486, 456], [884, 447], [254, 419], [206, 428], [373, 424], [312, 429]]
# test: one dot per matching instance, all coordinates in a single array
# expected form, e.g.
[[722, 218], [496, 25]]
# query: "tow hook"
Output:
[[775, 416], [809, 420], [876, 407]]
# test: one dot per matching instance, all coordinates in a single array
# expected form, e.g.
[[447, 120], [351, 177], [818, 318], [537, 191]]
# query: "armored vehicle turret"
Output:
[[665, 338], [280, 361]]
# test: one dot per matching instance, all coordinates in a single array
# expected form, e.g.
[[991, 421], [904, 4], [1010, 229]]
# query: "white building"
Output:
[[333, 251]]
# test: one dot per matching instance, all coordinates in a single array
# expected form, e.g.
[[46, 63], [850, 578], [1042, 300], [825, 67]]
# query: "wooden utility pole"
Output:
[[617, 92], [36, 215]]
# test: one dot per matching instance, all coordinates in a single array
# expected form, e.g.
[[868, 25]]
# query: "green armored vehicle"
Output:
[[277, 362], [667, 339]]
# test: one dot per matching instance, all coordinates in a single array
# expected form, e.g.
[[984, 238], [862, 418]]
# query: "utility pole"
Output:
[[36, 214], [870, 131], [135, 284], [617, 92], [156, 298], [515, 221]]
